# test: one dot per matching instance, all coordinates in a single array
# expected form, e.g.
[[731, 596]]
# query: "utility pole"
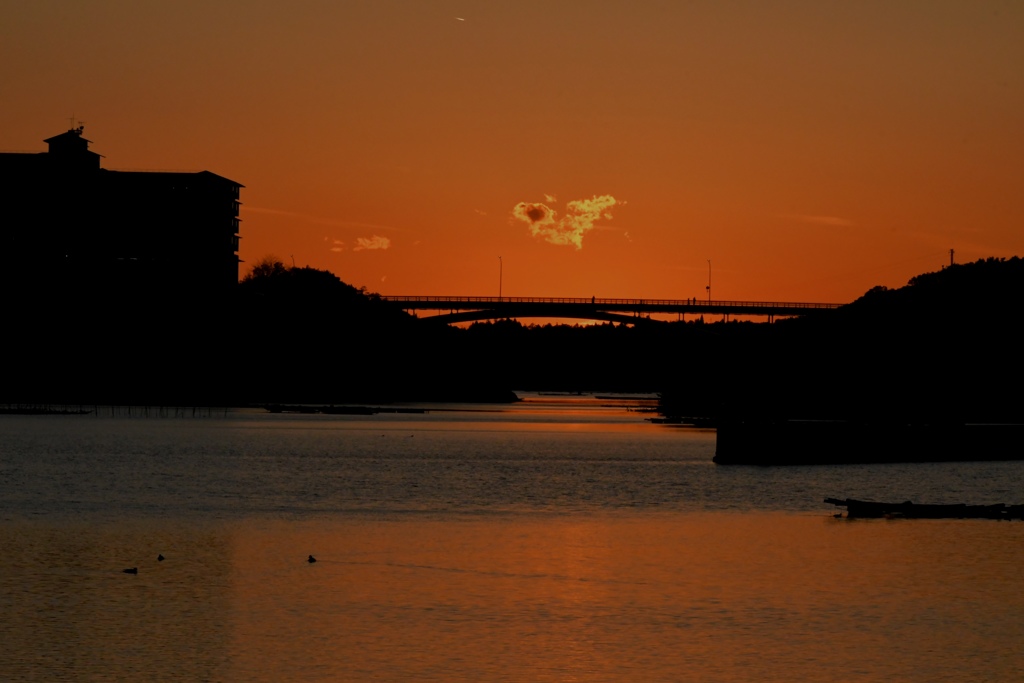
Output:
[[709, 281], [950, 257]]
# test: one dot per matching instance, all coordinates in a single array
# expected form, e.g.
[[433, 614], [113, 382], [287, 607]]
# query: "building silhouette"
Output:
[[70, 227]]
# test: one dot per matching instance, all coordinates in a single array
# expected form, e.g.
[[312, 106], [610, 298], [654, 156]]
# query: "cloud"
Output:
[[369, 243], [580, 216], [337, 245], [550, 198], [831, 221]]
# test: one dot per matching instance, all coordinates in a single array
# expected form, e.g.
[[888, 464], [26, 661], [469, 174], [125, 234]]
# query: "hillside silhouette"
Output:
[[942, 348], [939, 349]]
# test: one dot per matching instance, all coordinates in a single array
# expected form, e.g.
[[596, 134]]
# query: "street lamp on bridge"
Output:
[[709, 281], [499, 277]]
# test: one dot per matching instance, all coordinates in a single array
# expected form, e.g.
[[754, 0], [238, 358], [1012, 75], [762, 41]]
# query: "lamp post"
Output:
[[500, 268], [709, 281]]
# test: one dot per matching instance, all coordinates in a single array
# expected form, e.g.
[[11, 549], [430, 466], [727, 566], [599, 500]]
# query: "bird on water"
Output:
[[311, 559], [131, 570]]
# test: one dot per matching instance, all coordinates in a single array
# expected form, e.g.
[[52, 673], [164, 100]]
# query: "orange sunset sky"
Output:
[[810, 149]]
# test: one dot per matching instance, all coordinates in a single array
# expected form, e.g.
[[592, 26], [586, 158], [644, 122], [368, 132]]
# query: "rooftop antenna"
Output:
[[72, 129]]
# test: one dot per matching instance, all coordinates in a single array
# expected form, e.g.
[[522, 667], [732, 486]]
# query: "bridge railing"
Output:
[[448, 301]]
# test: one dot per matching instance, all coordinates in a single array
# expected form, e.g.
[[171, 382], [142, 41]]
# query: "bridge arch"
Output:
[[628, 311], [490, 314]]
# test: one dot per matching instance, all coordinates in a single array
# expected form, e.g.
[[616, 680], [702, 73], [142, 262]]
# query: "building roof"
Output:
[[72, 134]]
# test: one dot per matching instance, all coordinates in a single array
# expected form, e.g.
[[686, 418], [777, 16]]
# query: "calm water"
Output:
[[556, 540]]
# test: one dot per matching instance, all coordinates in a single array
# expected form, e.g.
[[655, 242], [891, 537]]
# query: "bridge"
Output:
[[459, 309]]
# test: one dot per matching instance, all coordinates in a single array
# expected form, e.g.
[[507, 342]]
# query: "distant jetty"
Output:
[[869, 509], [337, 410], [42, 410], [841, 442]]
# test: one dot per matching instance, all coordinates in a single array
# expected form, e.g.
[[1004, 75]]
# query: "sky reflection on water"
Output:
[[540, 543], [612, 597]]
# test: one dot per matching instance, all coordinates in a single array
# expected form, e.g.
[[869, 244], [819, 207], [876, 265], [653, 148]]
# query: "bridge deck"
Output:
[[483, 307]]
